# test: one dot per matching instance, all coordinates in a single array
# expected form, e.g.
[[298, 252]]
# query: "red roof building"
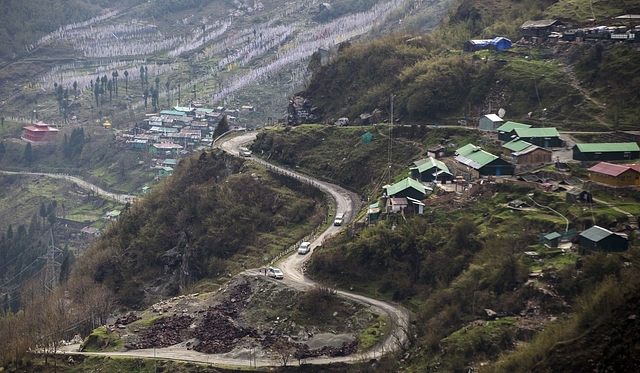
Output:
[[614, 174], [39, 132]]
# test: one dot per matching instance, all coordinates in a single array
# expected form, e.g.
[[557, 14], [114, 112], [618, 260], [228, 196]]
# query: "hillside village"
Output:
[[579, 170], [533, 157]]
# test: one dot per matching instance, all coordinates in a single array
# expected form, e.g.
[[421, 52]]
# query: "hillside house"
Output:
[[538, 31], [619, 151], [577, 196], [405, 188], [498, 43], [481, 163], [39, 132], [547, 137], [526, 153], [614, 174], [167, 147], [165, 171], [600, 239], [490, 122], [437, 151], [431, 169], [506, 131]]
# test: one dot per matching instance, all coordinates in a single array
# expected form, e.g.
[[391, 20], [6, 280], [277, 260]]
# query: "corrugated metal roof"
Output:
[[516, 145], [404, 184], [609, 147], [467, 149], [510, 126], [431, 163], [552, 236], [610, 169], [537, 132], [529, 149], [494, 118], [538, 24], [596, 233]]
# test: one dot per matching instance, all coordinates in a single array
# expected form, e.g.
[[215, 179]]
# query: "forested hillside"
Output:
[[214, 216]]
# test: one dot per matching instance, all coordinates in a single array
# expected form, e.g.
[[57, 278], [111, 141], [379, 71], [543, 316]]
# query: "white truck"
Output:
[[338, 219]]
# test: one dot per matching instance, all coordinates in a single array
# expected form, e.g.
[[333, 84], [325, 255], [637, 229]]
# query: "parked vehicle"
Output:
[[338, 220], [244, 152], [275, 273], [304, 248], [342, 121]]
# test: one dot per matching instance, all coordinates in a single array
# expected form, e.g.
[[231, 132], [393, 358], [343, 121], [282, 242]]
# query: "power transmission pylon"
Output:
[[52, 267]]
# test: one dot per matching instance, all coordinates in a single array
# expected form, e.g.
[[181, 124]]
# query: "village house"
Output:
[[165, 147], [39, 132], [481, 163], [600, 239], [490, 122], [431, 169], [614, 174], [538, 31], [547, 137], [526, 153], [164, 172], [506, 131], [404, 196], [619, 151], [437, 151]]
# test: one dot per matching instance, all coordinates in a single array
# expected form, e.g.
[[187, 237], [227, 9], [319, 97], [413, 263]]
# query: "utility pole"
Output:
[[390, 148]]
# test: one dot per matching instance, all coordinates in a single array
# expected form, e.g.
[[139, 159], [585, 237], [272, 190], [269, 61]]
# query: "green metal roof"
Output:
[[537, 132], [469, 148], [404, 184], [173, 112], [474, 156], [609, 147], [516, 145], [596, 233], [510, 126], [430, 163]]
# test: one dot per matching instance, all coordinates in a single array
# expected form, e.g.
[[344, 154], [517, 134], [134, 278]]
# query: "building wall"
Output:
[[486, 124], [607, 156], [627, 178], [536, 156]]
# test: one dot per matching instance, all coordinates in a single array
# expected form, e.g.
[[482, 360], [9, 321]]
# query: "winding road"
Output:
[[293, 267], [123, 198]]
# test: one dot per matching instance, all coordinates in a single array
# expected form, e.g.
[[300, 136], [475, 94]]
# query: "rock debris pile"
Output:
[[219, 329], [165, 332]]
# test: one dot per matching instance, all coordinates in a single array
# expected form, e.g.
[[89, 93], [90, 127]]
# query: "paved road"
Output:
[[293, 267], [123, 198]]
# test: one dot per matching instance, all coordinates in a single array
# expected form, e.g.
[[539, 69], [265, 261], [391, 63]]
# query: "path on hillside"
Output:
[[576, 84], [293, 268], [633, 221], [122, 198]]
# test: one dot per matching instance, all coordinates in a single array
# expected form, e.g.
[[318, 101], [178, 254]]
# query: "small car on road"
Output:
[[275, 273], [304, 248]]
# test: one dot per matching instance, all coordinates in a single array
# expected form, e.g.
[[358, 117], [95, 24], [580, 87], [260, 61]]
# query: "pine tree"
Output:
[[27, 157]]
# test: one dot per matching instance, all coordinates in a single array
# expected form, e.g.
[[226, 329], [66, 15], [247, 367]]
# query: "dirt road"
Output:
[[123, 198], [293, 267]]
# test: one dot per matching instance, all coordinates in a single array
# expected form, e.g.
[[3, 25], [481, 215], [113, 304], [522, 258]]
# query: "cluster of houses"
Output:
[[521, 144]]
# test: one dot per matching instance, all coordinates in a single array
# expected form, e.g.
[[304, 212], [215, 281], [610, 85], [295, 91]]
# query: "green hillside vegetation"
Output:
[[214, 216], [451, 264], [433, 81], [339, 155]]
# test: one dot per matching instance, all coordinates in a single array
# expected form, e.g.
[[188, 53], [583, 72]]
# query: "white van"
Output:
[[338, 219], [304, 248]]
